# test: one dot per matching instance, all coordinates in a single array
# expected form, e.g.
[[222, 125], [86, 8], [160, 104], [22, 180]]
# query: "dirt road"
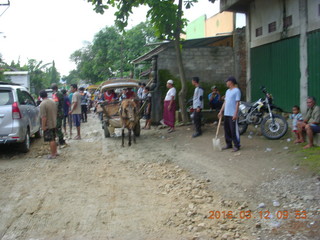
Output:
[[167, 186]]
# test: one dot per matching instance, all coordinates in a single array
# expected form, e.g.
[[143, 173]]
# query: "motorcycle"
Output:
[[262, 112]]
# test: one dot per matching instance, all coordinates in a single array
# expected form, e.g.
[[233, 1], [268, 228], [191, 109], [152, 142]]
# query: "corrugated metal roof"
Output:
[[192, 43]]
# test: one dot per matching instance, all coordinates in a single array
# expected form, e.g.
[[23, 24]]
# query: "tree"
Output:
[[111, 52], [38, 78], [52, 74], [167, 18], [73, 77]]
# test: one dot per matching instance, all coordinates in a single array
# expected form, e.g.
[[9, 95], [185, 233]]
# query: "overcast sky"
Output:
[[53, 29]]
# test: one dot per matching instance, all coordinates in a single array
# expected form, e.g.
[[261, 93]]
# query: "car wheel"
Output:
[[25, 145]]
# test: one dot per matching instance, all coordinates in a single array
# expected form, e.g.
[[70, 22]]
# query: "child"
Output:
[[147, 111], [296, 116]]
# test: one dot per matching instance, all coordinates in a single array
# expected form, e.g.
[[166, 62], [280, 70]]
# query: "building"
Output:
[[212, 59], [217, 25], [283, 46], [19, 77]]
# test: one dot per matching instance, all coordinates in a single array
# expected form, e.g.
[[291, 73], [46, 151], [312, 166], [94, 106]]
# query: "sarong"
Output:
[[169, 116]]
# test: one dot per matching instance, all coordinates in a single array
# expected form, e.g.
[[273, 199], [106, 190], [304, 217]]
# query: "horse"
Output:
[[129, 117]]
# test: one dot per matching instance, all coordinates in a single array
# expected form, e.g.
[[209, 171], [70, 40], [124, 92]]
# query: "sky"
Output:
[[50, 30]]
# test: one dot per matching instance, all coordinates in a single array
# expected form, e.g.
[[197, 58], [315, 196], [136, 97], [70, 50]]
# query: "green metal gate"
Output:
[[314, 65], [276, 66]]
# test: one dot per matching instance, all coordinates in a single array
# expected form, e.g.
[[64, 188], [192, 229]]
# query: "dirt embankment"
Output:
[[167, 186]]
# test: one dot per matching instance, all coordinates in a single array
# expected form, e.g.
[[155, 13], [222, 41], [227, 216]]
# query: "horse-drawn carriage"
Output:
[[111, 109]]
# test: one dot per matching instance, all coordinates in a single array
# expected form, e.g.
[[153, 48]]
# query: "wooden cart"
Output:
[[111, 118]]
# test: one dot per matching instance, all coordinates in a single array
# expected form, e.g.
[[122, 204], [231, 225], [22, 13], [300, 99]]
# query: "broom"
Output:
[[216, 140]]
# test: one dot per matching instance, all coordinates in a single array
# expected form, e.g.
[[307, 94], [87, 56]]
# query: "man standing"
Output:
[[311, 123], [230, 109], [76, 109], [169, 109], [58, 99], [48, 113], [69, 115], [197, 106], [66, 109], [140, 91], [84, 104]]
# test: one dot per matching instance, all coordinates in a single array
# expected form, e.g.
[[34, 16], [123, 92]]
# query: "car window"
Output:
[[28, 100], [21, 99], [6, 97], [25, 98]]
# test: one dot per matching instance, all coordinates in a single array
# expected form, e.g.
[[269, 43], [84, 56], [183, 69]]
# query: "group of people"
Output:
[[57, 111], [62, 107], [229, 108], [309, 125]]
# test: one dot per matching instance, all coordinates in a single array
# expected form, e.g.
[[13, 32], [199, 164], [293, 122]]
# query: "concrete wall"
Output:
[[262, 13], [220, 23], [313, 15], [211, 65], [196, 29], [22, 78]]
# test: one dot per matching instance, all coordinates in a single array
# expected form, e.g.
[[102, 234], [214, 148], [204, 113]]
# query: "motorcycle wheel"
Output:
[[242, 124], [274, 128]]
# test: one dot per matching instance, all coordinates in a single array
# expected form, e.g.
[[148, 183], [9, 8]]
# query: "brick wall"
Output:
[[212, 64]]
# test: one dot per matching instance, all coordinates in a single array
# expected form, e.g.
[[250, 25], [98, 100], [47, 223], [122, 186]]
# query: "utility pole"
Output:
[[7, 4]]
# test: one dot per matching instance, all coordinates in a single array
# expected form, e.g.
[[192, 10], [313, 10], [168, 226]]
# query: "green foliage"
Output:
[[73, 77], [53, 74], [111, 53]]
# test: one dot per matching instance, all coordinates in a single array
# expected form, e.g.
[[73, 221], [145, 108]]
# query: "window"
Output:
[[258, 31], [272, 27], [28, 100], [6, 97], [24, 98], [287, 21]]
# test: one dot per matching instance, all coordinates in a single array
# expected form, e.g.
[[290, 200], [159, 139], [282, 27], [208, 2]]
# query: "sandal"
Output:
[[171, 130], [51, 157], [77, 138]]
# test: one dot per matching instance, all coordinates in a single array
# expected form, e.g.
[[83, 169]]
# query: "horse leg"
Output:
[[134, 137], [129, 137], [122, 135]]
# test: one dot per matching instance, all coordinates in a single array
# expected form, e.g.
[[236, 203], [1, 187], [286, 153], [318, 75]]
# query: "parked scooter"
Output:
[[262, 112]]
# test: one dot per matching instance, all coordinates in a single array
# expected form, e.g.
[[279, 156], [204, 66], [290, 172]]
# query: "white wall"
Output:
[[262, 13], [313, 15], [20, 78]]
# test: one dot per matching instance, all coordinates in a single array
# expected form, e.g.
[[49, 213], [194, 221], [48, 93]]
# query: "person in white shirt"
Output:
[[140, 91], [197, 106], [169, 109], [230, 109]]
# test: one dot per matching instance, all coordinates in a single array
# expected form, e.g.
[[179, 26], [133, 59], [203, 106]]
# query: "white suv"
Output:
[[19, 116]]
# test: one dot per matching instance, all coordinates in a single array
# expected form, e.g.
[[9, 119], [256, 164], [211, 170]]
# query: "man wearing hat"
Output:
[[230, 109], [169, 109]]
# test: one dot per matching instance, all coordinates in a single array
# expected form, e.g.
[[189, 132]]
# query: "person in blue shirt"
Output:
[[214, 98], [230, 109]]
